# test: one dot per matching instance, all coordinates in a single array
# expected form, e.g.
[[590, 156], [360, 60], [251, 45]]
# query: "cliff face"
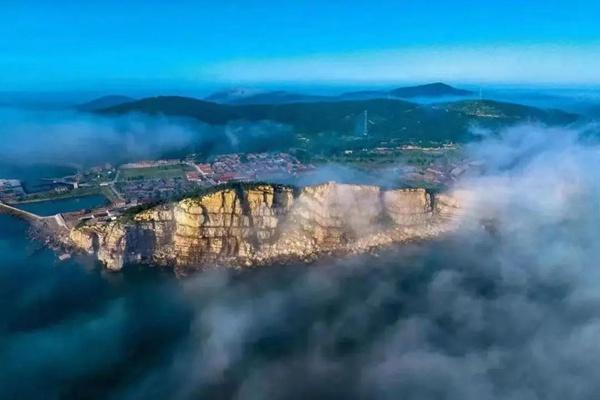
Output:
[[263, 224]]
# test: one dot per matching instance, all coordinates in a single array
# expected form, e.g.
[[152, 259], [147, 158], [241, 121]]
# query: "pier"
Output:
[[54, 223], [17, 212]]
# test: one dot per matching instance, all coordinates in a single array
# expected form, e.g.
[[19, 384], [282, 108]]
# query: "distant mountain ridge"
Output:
[[431, 90], [104, 102], [336, 121], [257, 96], [250, 96], [233, 95], [437, 89]]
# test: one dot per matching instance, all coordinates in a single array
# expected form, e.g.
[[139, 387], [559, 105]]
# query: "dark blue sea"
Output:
[[34, 177], [71, 330], [52, 207]]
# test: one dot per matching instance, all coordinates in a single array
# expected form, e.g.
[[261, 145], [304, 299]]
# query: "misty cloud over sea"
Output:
[[70, 138], [75, 138], [509, 311]]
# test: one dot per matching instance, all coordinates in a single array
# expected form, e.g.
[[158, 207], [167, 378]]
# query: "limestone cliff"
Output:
[[260, 224]]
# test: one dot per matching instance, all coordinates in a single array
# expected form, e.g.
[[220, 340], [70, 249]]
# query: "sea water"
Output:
[[51, 207], [67, 326]]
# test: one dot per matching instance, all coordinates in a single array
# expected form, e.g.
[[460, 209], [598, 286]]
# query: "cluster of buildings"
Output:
[[154, 187], [440, 173], [247, 167], [432, 175], [97, 174], [222, 169], [148, 190], [11, 190], [467, 167], [102, 214]]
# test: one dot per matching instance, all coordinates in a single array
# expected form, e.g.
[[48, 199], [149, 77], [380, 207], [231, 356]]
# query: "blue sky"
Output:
[[68, 45]]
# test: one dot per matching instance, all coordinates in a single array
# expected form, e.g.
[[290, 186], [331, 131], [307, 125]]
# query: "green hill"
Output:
[[504, 113], [241, 96], [104, 102], [248, 96], [437, 89], [430, 90], [339, 124]]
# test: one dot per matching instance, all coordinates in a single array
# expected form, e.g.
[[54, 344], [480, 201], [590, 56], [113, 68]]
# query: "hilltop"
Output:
[[257, 96], [387, 118], [104, 102], [431, 90], [437, 89]]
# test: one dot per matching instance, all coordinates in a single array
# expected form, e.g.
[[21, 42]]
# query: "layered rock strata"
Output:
[[261, 224]]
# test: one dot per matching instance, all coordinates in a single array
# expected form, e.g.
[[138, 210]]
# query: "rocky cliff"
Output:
[[259, 224]]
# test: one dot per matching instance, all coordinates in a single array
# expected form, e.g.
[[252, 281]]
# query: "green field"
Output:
[[162, 172], [371, 159]]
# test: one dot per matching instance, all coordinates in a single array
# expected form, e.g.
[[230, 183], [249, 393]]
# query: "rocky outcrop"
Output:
[[260, 224]]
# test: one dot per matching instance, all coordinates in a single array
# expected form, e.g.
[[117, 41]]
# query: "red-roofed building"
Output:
[[193, 176], [206, 169]]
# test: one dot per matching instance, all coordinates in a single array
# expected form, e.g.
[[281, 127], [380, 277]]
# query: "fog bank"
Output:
[[72, 138], [508, 312]]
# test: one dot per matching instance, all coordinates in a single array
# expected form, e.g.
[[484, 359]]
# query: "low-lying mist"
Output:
[[507, 312], [62, 137]]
